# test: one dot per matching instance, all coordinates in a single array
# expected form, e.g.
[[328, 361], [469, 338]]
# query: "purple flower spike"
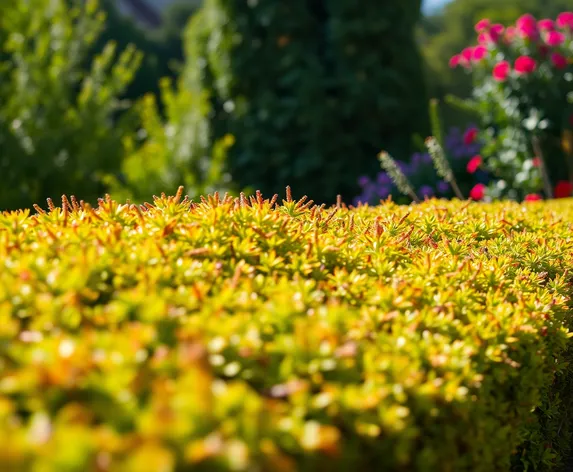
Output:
[[383, 179], [403, 167], [383, 191], [363, 181], [426, 191], [426, 158], [443, 186]]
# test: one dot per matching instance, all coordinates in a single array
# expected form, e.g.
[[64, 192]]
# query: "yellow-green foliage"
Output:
[[244, 335]]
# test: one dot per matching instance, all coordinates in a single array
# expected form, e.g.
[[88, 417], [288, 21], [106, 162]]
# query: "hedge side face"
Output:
[[243, 335]]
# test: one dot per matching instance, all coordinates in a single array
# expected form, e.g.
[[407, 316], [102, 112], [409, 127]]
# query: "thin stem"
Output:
[[457, 190], [543, 167]]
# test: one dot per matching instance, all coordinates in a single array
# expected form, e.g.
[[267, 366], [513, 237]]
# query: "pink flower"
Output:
[[474, 164], [554, 38], [477, 192], [527, 26], [479, 53], [468, 53], [496, 31], [501, 71], [565, 20], [484, 38], [525, 65], [470, 136], [536, 162], [510, 33], [491, 35], [455, 61], [559, 60], [533, 197], [546, 25], [482, 25]]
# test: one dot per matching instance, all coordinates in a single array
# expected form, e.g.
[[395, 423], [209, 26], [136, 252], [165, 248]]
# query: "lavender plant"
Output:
[[419, 170]]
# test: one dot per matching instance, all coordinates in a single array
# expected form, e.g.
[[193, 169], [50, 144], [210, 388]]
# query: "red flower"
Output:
[[533, 197], [555, 38], [468, 53], [546, 25], [510, 33], [477, 192], [482, 25], [565, 20], [455, 61], [559, 60], [536, 162], [525, 65], [501, 71], [470, 136], [484, 38], [527, 26], [479, 53], [563, 189], [474, 163], [496, 31]]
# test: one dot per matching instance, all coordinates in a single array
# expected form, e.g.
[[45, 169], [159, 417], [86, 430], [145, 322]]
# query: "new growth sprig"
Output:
[[397, 176], [442, 165]]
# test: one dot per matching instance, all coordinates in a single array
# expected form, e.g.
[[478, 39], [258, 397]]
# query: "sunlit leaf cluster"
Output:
[[251, 334]]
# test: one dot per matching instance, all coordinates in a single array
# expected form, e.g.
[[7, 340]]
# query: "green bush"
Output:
[[310, 90], [236, 334], [60, 128], [125, 32], [173, 146], [174, 149]]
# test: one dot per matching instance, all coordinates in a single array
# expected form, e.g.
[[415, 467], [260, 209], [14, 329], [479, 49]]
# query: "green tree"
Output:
[[124, 32], [173, 151], [60, 130], [311, 90], [175, 19]]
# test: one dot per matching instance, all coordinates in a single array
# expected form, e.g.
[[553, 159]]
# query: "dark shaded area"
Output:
[[313, 89]]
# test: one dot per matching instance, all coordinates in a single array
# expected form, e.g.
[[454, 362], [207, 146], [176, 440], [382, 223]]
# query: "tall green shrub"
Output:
[[60, 129], [173, 150], [311, 90]]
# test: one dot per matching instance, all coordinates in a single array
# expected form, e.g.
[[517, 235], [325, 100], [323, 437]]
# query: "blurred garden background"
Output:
[[137, 97]]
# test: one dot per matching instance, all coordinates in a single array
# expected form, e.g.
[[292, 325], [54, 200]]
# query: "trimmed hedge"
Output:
[[239, 334]]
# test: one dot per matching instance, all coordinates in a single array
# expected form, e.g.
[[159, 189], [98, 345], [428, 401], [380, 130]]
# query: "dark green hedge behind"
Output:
[[312, 90]]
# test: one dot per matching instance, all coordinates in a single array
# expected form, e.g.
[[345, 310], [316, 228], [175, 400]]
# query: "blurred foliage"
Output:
[[450, 30], [124, 31], [242, 335], [311, 90], [175, 19], [60, 124], [172, 151], [162, 47]]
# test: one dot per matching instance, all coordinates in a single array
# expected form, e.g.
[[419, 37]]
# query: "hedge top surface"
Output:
[[242, 334]]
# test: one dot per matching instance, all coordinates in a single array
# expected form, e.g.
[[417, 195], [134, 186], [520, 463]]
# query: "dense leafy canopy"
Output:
[[311, 90]]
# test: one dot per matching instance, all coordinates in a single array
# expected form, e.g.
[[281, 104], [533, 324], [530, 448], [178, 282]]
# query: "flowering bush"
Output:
[[523, 77], [462, 149]]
